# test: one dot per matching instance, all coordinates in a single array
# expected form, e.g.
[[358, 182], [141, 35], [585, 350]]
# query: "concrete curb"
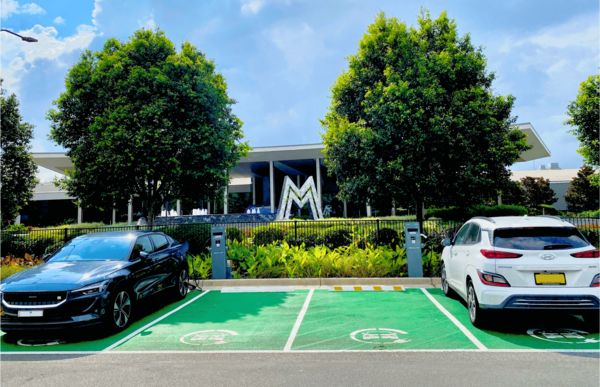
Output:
[[321, 282]]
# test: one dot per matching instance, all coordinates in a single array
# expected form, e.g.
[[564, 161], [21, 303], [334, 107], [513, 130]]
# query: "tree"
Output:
[[513, 194], [585, 118], [537, 191], [138, 118], [18, 168], [414, 118], [582, 195]]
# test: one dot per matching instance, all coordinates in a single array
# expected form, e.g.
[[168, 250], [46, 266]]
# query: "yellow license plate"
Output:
[[550, 279]]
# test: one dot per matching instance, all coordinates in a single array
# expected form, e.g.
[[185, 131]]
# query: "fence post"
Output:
[[296, 231], [66, 235], [377, 232]]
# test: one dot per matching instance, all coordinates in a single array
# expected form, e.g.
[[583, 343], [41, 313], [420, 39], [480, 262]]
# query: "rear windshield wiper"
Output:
[[557, 247]]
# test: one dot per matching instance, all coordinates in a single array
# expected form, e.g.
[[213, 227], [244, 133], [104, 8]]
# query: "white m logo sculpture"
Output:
[[292, 194]]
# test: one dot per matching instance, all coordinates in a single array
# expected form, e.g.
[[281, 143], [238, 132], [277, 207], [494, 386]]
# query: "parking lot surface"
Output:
[[318, 320]]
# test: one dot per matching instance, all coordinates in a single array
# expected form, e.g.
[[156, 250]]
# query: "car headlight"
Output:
[[94, 288]]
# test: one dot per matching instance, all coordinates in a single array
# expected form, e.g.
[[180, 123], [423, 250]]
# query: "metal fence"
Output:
[[332, 233]]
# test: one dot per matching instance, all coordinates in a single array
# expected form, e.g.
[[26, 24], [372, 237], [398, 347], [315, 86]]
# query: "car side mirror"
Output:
[[447, 242], [46, 257], [144, 254]]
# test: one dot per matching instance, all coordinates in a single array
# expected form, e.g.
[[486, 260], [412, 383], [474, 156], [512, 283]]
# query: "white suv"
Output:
[[525, 262]]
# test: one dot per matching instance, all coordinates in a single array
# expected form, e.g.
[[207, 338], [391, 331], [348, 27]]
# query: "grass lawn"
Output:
[[7, 271]]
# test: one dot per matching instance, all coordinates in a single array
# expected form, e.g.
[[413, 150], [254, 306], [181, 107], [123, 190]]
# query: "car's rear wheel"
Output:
[[448, 291], [120, 309], [478, 316], [181, 290]]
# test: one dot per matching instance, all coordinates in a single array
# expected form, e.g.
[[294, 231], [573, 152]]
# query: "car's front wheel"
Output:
[[448, 291], [181, 290], [477, 315], [120, 309]]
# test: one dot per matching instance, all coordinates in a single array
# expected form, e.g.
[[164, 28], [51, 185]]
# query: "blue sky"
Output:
[[280, 57]]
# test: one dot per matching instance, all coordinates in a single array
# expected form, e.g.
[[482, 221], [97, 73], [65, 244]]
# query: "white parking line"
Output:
[[456, 322], [288, 345], [153, 322]]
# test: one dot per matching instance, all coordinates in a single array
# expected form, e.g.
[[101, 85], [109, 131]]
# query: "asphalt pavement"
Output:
[[480, 368]]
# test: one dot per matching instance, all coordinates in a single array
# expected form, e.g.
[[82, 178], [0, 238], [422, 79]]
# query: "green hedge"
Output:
[[457, 213]]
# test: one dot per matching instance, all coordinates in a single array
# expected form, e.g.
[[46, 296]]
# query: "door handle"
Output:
[[455, 253]]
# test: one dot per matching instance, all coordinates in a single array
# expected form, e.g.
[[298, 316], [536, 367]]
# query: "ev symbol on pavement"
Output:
[[562, 335], [210, 337], [379, 336]]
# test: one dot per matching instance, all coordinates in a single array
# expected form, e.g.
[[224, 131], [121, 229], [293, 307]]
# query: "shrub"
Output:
[[592, 235], [385, 237], [234, 234], [338, 238], [446, 214], [197, 235], [266, 235], [590, 214], [548, 209]]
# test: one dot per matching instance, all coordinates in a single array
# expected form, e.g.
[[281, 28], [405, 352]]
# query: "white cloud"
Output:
[[18, 57], [557, 66], [96, 12], [59, 20], [301, 47], [10, 7], [149, 23], [251, 7], [199, 34]]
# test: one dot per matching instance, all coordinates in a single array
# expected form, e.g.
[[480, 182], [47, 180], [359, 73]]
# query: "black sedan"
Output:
[[94, 279]]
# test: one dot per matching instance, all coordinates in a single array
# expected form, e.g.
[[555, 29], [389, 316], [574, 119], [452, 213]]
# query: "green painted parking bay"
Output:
[[529, 330], [376, 320], [86, 339], [224, 321]]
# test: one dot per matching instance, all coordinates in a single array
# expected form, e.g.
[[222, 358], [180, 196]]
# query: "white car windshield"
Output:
[[94, 249], [539, 238]]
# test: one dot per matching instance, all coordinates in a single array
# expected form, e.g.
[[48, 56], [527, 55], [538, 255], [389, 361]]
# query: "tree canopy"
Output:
[[18, 168], [585, 118], [582, 195], [536, 191], [138, 118], [414, 118]]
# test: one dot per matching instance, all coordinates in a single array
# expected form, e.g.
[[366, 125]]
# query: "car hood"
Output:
[[55, 276]]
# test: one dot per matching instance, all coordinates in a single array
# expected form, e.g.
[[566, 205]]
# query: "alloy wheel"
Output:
[[444, 281], [122, 309], [472, 303], [183, 290]]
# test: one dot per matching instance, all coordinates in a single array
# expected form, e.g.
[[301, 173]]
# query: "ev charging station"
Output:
[[413, 246], [221, 267]]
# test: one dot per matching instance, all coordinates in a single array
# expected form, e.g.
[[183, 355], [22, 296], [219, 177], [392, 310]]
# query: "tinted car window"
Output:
[[539, 238], [143, 244], [460, 237], [473, 235], [94, 249], [160, 242]]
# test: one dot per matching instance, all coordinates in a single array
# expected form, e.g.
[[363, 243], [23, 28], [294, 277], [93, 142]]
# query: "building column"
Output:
[[178, 207], [253, 190], [114, 216], [318, 165], [298, 185], [345, 209], [368, 210], [79, 215], [499, 199], [18, 219], [208, 207], [272, 186], [225, 200], [130, 210], [393, 208]]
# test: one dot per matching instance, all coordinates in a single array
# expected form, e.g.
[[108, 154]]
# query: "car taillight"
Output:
[[493, 254], [492, 279], [587, 254], [596, 281]]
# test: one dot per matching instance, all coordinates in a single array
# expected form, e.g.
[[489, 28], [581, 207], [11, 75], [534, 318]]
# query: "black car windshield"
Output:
[[539, 238], [94, 249]]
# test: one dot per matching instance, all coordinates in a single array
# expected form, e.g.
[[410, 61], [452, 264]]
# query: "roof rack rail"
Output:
[[551, 217], [484, 218]]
